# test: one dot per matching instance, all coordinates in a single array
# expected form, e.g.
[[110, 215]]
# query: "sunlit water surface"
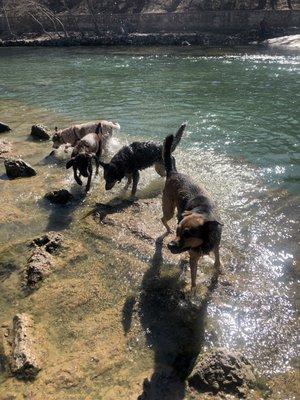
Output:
[[241, 143]]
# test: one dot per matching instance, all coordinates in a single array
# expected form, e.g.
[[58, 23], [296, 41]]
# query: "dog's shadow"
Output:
[[116, 205], [174, 328]]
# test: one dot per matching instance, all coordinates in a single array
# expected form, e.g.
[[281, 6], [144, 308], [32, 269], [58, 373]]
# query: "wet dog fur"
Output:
[[199, 228], [135, 157], [89, 148]]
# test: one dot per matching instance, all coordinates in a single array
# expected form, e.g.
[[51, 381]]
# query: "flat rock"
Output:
[[17, 168], [51, 242], [40, 132], [4, 128], [223, 371], [61, 196], [19, 348]]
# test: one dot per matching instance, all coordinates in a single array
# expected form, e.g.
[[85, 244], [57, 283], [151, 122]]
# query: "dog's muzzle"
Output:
[[175, 248]]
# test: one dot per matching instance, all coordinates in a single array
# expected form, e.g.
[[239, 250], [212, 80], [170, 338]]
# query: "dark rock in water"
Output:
[[61, 196], [51, 242], [19, 348], [4, 128], [39, 132], [223, 371], [40, 264], [17, 168]]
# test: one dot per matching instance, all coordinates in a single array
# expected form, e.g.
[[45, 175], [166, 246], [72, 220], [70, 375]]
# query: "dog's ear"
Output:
[[56, 129], [103, 164], [70, 163]]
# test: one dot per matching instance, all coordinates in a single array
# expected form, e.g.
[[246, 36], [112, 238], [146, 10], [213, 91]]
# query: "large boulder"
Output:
[[17, 168], [61, 196], [18, 348], [4, 128], [223, 371], [40, 132]]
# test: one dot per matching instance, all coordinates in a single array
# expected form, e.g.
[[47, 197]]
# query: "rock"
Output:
[[51, 242], [17, 168], [39, 265], [4, 128], [19, 348], [61, 196], [39, 132], [223, 371]]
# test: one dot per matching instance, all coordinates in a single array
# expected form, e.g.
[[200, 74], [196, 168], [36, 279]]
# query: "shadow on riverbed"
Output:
[[174, 327], [116, 205]]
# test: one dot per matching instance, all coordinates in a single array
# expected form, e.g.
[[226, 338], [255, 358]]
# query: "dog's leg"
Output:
[[194, 258], [160, 169], [168, 208], [129, 181], [135, 179], [217, 264], [76, 177], [90, 171], [97, 158]]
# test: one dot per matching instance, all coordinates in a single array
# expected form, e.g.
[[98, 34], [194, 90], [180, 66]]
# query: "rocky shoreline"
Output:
[[136, 39]]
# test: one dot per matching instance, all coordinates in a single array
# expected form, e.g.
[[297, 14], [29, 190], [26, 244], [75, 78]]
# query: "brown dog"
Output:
[[199, 229]]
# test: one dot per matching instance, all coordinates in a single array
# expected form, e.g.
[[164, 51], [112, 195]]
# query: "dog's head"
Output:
[[193, 232], [81, 162], [56, 139], [112, 175]]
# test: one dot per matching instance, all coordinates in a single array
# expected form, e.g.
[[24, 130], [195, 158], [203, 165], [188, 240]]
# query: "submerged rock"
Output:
[[61, 196], [4, 128], [17, 168], [40, 264], [223, 371], [5, 148], [39, 132], [51, 242], [19, 348]]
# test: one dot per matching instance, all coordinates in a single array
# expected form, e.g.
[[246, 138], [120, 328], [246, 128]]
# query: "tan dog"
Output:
[[74, 133], [198, 230]]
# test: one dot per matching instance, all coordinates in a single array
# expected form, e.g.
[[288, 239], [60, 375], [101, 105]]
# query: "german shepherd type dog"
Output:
[[135, 157], [89, 148], [199, 228]]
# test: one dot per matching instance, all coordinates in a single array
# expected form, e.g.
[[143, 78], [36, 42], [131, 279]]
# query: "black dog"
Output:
[[135, 157], [89, 148], [199, 229]]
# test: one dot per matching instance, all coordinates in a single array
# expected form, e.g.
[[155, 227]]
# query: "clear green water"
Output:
[[242, 144]]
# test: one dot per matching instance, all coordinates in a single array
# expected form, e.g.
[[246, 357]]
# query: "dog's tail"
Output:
[[99, 129], [167, 155], [178, 136]]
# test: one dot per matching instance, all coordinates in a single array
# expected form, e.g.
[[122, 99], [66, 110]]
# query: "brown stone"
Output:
[[19, 348]]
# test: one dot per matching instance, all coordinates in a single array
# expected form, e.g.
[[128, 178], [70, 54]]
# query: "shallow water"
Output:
[[242, 144]]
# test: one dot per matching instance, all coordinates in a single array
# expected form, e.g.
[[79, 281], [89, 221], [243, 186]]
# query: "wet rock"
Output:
[[223, 371], [4, 128], [19, 348], [61, 196], [39, 265], [39, 132], [51, 242], [17, 168]]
